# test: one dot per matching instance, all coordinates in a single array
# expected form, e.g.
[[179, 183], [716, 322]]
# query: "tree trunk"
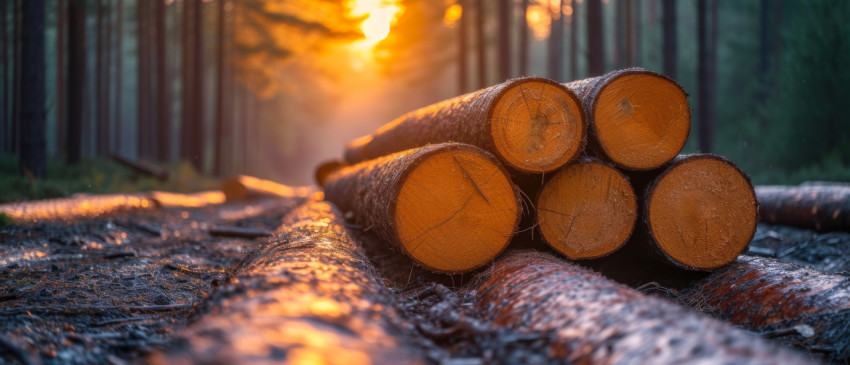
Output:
[[612, 100], [303, 284], [574, 42], [118, 134], [594, 320], [5, 139], [704, 79], [33, 157], [163, 85], [463, 68], [101, 72], [481, 46], [818, 207], [619, 55], [523, 39], [669, 39], [583, 219], [450, 207], [534, 125], [76, 80], [556, 44], [145, 136], [595, 50], [629, 36], [505, 54], [16, 77], [61, 14], [799, 306], [700, 212], [191, 133], [220, 127]]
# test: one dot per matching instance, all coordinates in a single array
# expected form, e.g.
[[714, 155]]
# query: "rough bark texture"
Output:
[[464, 119], [588, 90], [308, 293], [797, 305], [819, 207], [598, 321], [370, 190]]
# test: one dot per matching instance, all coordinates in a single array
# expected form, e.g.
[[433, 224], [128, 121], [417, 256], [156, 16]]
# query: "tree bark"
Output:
[[822, 208], [582, 218], [76, 80], [221, 124], [61, 15], [595, 50], [597, 321], [463, 68], [118, 133], [556, 44], [450, 207], [481, 46], [533, 125], [163, 85], [310, 281], [33, 134], [523, 39], [799, 306], [505, 54], [101, 72], [144, 103], [611, 104], [669, 38], [192, 124]]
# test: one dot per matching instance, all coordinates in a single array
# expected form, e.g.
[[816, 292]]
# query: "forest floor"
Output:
[[115, 288]]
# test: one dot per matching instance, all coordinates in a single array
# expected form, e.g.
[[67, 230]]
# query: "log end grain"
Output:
[[455, 210], [587, 210], [702, 212], [641, 119], [537, 125]]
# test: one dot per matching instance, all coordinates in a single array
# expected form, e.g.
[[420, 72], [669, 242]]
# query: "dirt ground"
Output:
[[116, 288]]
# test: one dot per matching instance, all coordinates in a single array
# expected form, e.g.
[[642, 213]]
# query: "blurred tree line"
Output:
[[234, 86]]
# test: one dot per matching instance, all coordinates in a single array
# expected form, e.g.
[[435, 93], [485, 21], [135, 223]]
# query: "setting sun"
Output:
[[380, 16]]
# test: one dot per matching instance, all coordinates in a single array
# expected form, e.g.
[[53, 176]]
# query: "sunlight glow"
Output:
[[453, 14], [538, 20], [380, 16]]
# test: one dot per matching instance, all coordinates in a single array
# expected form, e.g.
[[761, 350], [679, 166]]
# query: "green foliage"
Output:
[[95, 176]]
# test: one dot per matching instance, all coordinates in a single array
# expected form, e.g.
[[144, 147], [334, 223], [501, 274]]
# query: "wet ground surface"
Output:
[[115, 288]]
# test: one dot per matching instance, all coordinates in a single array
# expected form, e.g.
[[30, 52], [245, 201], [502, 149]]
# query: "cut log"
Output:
[[701, 212], [79, 206], [451, 207], [587, 210], [820, 207], [308, 295], [325, 169], [597, 321], [638, 119], [532, 124], [142, 167], [796, 305], [164, 199], [243, 187]]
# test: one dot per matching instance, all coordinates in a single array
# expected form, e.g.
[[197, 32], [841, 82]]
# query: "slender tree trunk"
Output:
[[76, 80], [523, 40], [100, 91], [33, 159], [118, 134], [556, 44], [505, 13], [106, 99], [220, 125], [4, 84], [595, 52], [16, 74], [482, 44], [198, 85], [669, 38], [704, 79], [60, 76], [765, 54], [638, 31], [143, 82], [463, 69], [629, 39], [619, 56], [574, 42], [163, 85]]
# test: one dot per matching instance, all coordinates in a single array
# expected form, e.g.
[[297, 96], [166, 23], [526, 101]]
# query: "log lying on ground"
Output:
[[164, 199], [815, 206], [451, 207], [142, 167], [797, 305], [587, 210], [325, 169], [308, 295], [532, 124], [243, 187], [76, 207], [701, 212], [638, 119], [597, 321]]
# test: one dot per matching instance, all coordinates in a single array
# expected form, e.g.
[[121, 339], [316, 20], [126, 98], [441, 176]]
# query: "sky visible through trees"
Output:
[[273, 87]]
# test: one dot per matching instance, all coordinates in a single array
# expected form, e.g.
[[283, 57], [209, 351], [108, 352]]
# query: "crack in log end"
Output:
[[702, 212], [536, 126], [641, 120], [587, 210], [456, 211]]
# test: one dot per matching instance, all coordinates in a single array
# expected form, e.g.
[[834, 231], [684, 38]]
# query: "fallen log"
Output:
[[142, 167], [242, 187], [597, 321], [308, 295], [586, 210], [79, 206], [164, 199], [325, 169], [532, 124], [820, 207], [797, 305], [700, 212], [450, 207], [638, 119]]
